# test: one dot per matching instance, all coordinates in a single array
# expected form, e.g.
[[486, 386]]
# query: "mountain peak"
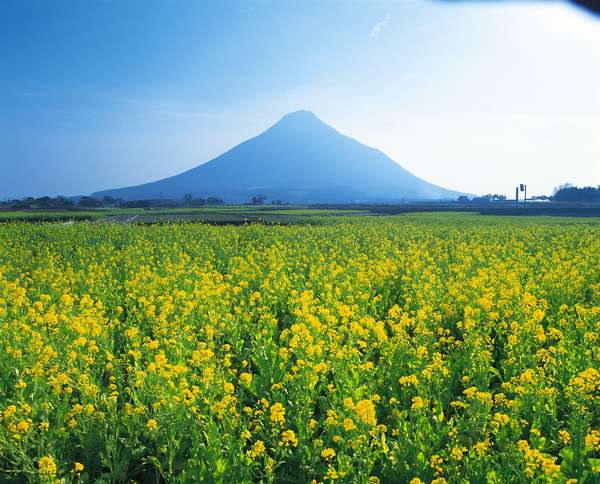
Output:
[[299, 118], [301, 114], [300, 122]]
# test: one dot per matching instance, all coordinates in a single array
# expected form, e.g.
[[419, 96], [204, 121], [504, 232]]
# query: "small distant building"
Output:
[[463, 199], [481, 200]]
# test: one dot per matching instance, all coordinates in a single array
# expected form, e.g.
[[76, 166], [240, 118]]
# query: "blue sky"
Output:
[[471, 96]]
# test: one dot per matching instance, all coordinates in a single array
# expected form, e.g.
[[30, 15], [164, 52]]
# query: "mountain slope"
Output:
[[300, 159]]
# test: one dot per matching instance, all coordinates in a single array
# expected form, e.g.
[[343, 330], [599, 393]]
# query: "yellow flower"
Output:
[[348, 425], [46, 465], [278, 413], [152, 424], [331, 417], [258, 449], [500, 420], [365, 411], [417, 403], [592, 440], [457, 452], [328, 454], [77, 469], [332, 474], [481, 447], [246, 378], [289, 437]]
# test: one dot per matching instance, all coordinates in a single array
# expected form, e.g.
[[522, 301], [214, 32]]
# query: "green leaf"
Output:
[[384, 445], [420, 461], [594, 464], [104, 479], [221, 466], [567, 466], [155, 462]]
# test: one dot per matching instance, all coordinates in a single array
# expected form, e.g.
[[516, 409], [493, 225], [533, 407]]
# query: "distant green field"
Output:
[[220, 215], [284, 216], [53, 216]]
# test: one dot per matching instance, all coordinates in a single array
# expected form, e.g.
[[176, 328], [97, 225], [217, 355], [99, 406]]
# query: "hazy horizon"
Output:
[[473, 97]]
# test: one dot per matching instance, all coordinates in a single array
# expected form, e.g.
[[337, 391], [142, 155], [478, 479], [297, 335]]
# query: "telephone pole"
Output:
[[524, 189]]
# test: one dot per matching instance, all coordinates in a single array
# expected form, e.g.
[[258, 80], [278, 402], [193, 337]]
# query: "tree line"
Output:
[[107, 201], [190, 201], [59, 201], [569, 193]]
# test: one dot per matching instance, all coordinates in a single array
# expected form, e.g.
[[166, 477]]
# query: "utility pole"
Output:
[[524, 189], [517, 196]]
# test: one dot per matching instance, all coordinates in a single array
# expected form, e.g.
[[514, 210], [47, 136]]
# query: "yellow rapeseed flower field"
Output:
[[421, 348]]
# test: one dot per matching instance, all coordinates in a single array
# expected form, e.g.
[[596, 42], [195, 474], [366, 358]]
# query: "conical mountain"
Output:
[[300, 159]]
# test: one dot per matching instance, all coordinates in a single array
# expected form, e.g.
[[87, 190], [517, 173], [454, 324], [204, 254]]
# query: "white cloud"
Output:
[[379, 26]]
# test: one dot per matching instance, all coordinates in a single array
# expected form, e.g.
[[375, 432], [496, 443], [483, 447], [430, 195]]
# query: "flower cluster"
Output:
[[420, 348]]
